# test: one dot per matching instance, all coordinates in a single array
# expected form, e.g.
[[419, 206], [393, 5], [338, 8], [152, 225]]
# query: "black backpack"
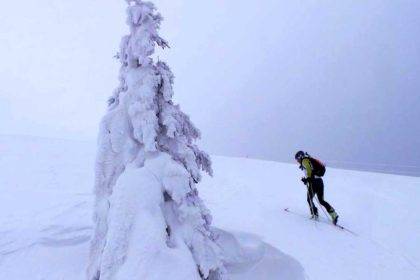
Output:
[[318, 166]]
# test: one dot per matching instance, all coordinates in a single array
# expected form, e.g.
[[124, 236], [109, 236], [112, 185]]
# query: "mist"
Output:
[[261, 79]]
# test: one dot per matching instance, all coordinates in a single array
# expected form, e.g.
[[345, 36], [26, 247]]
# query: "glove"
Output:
[[306, 180]]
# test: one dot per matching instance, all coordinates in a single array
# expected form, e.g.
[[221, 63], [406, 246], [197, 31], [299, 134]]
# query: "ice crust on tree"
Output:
[[149, 219]]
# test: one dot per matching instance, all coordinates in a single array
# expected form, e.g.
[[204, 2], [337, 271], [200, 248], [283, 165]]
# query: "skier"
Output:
[[314, 170]]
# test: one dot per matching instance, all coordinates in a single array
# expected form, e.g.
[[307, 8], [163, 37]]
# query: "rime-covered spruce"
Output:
[[149, 228]]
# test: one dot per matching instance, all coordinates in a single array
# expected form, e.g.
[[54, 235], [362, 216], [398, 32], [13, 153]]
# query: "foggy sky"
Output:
[[262, 79]]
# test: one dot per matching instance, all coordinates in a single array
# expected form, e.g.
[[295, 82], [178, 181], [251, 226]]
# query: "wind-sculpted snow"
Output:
[[142, 126], [247, 257]]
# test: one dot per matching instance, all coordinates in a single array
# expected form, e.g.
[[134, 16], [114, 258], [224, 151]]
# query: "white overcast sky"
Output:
[[340, 79]]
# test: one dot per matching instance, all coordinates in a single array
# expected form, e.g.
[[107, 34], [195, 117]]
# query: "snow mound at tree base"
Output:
[[248, 258]]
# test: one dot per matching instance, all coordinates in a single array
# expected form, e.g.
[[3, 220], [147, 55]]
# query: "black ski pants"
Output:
[[317, 187]]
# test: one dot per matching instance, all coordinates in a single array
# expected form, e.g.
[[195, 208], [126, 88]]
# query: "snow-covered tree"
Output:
[[149, 219]]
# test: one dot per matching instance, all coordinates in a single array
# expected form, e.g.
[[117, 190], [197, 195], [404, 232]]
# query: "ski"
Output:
[[322, 221]]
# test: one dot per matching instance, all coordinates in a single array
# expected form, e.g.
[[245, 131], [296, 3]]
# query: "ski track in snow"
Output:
[[29, 234], [45, 218]]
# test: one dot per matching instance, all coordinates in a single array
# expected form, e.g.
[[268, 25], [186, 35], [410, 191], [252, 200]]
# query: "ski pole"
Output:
[[310, 198]]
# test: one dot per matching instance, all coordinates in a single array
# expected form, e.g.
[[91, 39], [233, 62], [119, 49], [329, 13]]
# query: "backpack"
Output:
[[318, 167]]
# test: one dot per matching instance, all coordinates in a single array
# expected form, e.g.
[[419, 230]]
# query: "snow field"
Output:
[[46, 207]]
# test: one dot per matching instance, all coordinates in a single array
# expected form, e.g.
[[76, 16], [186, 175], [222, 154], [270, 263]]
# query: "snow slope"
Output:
[[46, 206]]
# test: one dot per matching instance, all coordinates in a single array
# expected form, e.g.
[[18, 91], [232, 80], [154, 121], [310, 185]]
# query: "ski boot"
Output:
[[334, 217], [314, 217]]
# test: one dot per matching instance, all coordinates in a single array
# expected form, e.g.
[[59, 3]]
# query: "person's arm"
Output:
[[308, 167]]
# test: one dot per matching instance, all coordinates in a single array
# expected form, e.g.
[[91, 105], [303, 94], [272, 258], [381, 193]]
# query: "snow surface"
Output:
[[46, 205]]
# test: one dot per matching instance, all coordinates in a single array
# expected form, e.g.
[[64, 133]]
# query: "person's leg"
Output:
[[319, 189], [320, 194], [310, 196]]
